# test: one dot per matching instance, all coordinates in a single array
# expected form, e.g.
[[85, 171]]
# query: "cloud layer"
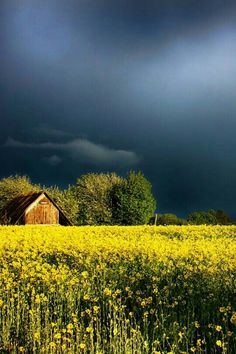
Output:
[[81, 150]]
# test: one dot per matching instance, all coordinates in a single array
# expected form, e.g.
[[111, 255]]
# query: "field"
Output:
[[118, 290]]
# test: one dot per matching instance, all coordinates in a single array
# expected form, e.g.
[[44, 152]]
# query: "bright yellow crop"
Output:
[[118, 290]]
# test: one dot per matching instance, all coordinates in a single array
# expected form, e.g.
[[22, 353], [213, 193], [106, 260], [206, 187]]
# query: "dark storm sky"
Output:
[[114, 85]]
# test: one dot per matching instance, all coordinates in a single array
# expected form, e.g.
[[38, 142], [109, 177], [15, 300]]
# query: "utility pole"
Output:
[[155, 220]]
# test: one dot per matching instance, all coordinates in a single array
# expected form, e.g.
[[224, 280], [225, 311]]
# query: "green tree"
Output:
[[210, 217], [133, 201], [13, 186], [202, 217], [66, 200], [93, 192]]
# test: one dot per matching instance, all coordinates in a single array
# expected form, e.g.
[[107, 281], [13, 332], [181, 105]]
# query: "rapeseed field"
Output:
[[118, 290]]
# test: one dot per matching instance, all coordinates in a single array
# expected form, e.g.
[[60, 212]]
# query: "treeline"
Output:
[[108, 199], [95, 199], [210, 217]]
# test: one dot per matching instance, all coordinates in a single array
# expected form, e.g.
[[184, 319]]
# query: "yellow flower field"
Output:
[[118, 290]]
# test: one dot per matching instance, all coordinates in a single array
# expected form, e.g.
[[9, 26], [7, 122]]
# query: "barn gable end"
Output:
[[42, 211]]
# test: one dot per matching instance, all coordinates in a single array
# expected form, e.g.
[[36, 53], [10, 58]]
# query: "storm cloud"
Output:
[[114, 85]]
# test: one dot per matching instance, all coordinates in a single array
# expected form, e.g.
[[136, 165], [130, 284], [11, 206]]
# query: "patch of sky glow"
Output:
[[40, 31], [188, 70]]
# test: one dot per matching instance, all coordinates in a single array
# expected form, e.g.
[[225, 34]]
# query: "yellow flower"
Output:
[[199, 342], [36, 335], [196, 324], [233, 318], [107, 292], [52, 345], [82, 345], [96, 309], [70, 326], [57, 336], [37, 299], [84, 274], [219, 343], [218, 328], [222, 309]]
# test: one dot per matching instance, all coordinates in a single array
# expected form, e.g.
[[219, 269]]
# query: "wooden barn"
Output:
[[35, 209]]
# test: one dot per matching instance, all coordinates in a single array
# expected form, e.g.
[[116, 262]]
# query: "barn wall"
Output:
[[42, 211]]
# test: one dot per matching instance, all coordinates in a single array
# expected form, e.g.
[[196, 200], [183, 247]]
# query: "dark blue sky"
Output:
[[111, 85]]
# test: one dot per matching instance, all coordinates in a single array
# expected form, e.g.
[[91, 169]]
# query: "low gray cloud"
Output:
[[53, 160], [83, 150], [46, 130]]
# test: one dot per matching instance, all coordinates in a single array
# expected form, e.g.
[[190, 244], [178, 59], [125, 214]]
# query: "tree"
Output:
[[13, 186], [222, 217], [202, 217], [210, 217], [93, 192], [132, 200], [67, 201]]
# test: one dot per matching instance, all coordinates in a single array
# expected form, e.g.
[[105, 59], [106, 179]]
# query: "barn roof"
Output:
[[15, 209]]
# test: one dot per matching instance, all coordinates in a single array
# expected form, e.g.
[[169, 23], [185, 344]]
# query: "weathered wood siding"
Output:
[[42, 212]]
